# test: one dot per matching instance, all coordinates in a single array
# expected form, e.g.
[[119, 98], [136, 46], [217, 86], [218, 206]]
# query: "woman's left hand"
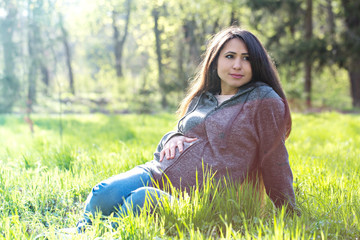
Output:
[[174, 142]]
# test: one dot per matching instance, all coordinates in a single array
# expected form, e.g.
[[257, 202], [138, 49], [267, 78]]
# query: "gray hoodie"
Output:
[[242, 135]]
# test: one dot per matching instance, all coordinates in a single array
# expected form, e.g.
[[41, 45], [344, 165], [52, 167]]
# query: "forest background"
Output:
[[137, 56]]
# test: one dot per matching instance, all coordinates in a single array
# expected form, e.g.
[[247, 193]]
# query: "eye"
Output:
[[229, 56], [246, 57]]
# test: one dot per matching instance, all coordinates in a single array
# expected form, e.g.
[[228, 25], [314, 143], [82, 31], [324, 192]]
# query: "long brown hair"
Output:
[[207, 79]]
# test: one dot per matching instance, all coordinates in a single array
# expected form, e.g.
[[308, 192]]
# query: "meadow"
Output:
[[46, 175]]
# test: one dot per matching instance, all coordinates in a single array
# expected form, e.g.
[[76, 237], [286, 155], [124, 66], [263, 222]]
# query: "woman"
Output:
[[234, 119]]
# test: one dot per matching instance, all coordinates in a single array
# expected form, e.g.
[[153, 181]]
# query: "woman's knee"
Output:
[[99, 189], [100, 200], [150, 195], [137, 199], [110, 193]]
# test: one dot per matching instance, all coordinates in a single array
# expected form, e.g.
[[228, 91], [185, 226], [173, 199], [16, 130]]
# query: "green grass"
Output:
[[46, 176]]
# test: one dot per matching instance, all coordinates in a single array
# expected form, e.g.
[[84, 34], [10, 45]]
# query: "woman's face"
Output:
[[233, 66]]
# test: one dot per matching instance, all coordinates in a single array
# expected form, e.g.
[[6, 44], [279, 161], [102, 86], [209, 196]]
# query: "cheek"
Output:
[[219, 65], [224, 66]]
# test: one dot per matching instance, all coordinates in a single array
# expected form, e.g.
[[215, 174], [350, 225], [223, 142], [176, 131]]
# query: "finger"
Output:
[[162, 154], [180, 145], [172, 151], [167, 153], [188, 139]]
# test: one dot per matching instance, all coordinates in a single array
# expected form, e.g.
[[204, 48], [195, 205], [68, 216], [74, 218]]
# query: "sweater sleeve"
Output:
[[171, 134], [166, 138], [273, 158]]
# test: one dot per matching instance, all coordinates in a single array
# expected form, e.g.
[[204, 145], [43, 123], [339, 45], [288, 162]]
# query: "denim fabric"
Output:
[[121, 192]]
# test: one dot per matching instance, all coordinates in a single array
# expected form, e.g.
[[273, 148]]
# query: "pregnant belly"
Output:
[[186, 168]]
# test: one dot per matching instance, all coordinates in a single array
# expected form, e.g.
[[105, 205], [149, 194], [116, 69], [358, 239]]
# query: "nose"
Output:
[[237, 63]]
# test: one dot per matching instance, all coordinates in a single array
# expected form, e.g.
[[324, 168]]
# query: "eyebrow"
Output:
[[243, 54]]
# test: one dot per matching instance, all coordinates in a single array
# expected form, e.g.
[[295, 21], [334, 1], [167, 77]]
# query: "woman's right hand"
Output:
[[170, 147]]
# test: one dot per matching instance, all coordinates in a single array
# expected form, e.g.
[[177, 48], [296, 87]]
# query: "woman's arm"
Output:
[[273, 156], [170, 147], [175, 139]]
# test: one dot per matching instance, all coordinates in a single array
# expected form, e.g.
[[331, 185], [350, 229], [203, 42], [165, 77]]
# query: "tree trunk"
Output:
[[32, 74], [8, 26], [308, 61], [33, 41], [182, 79], [65, 40], [119, 42], [308, 70], [45, 77], [215, 27], [352, 43], [10, 83], [32, 71], [330, 17], [234, 19], [161, 79], [354, 75], [190, 38]]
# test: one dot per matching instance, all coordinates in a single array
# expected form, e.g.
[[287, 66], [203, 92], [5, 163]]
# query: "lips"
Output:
[[236, 76]]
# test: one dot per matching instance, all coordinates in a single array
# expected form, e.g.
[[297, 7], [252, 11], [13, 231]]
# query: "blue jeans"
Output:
[[119, 193]]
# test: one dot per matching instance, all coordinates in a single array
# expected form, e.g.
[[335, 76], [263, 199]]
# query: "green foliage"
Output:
[[45, 178], [33, 64]]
